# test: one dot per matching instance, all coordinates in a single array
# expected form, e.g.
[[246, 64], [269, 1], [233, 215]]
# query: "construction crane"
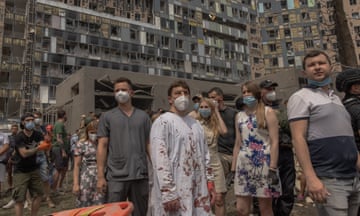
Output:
[[28, 60]]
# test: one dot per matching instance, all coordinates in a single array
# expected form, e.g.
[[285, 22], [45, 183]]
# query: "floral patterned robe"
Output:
[[180, 159]]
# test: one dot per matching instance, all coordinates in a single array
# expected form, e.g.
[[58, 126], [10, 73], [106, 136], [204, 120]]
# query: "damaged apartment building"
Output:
[[290, 28], [204, 40], [226, 41]]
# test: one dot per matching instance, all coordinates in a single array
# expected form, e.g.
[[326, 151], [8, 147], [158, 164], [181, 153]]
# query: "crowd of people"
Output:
[[177, 162]]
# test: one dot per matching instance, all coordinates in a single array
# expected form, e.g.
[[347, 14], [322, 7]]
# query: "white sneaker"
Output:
[[26, 204], [10, 204]]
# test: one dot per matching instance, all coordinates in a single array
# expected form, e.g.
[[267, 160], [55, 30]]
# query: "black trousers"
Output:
[[283, 205]]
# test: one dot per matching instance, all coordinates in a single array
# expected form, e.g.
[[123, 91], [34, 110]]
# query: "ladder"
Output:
[[28, 60]]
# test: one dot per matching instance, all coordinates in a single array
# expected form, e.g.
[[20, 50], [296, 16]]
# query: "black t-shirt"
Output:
[[27, 164], [226, 142], [352, 104]]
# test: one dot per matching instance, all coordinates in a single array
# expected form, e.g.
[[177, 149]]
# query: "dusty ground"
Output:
[[67, 201]]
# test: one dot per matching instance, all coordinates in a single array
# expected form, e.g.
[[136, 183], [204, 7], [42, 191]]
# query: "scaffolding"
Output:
[[28, 55]]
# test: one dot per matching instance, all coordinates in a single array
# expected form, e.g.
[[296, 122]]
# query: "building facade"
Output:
[[203, 39], [290, 28]]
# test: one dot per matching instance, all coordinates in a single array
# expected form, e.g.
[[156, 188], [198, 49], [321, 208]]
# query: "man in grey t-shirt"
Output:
[[123, 139]]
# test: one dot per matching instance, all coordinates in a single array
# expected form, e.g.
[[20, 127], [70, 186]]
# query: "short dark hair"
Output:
[[217, 90], [314, 53], [124, 79], [61, 113], [23, 117], [178, 83], [14, 125], [38, 113]]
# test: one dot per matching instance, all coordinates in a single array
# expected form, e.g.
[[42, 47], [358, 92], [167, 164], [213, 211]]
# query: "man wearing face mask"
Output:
[[282, 206], [183, 181], [196, 100], [26, 170], [123, 139], [324, 140]]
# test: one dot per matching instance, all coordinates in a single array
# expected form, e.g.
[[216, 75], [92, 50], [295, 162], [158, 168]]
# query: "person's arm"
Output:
[[237, 144], [101, 155], [76, 174], [4, 148], [162, 164], [221, 126], [316, 188], [27, 152], [273, 127]]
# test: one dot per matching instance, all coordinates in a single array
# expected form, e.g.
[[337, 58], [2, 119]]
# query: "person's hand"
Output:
[[43, 146], [172, 206], [272, 177], [212, 193], [76, 189], [230, 179], [316, 190], [63, 153], [101, 185]]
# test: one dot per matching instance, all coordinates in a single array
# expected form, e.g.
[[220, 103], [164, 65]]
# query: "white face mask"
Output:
[[92, 137], [122, 97], [37, 121], [271, 96], [181, 103]]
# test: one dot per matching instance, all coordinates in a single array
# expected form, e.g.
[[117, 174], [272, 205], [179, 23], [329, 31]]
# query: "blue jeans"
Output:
[[344, 199]]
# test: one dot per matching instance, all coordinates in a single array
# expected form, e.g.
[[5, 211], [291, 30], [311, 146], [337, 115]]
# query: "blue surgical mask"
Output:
[[30, 125], [314, 83], [196, 106], [205, 112], [249, 101]]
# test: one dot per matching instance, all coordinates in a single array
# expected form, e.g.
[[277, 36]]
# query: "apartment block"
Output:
[[12, 44], [201, 39], [290, 28], [351, 22]]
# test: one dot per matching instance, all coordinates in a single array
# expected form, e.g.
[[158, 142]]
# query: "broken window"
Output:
[[274, 61], [179, 44], [309, 44], [287, 32], [272, 33], [305, 15], [357, 30], [272, 47], [267, 5], [285, 18], [307, 30], [283, 4]]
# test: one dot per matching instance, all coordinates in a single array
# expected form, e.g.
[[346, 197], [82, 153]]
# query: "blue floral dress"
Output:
[[253, 160], [88, 175]]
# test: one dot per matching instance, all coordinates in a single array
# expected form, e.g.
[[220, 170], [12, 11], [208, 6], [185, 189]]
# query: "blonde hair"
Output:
[[260, 109], [212, 121], [93, 125]]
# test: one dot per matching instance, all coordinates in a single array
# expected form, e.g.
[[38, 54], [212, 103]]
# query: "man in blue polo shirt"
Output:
[[324, 140]]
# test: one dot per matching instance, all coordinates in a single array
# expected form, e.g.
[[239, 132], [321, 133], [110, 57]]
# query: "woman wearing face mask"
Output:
[[210, 119], [255, 153], [85, 171]]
